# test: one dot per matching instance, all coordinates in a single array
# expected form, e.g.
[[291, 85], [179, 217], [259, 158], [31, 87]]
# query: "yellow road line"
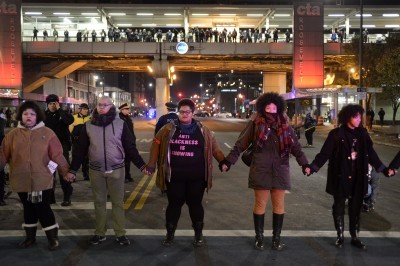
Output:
[[146, 193], [133, 195]]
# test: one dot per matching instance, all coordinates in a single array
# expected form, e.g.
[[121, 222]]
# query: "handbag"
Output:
[[247, 155]]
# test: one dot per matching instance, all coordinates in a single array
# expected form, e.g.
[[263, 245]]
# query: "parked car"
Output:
[[223, 115], [202, 114]]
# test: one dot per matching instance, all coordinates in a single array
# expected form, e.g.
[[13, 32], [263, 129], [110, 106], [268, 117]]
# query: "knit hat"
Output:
[[84, 105], [124, 105], [52, 98]]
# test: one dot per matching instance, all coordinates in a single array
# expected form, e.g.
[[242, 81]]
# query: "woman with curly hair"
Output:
[[349, 150], [273, 140]]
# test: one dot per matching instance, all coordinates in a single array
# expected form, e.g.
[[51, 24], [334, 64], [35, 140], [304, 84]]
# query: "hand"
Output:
[[70, 177], [224, 165], [388, 172], [307, 170], [148, 171], [57, 105]]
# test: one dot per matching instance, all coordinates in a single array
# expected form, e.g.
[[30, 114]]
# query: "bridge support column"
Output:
[[161, 75], [274, 82]]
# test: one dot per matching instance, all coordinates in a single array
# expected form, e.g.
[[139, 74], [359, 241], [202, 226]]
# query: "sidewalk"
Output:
[[383, 135]]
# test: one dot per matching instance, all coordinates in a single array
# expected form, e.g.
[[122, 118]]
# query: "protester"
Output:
[[349, 150], [58, 120], [370, 118], [75, 129], [309, 129], [171, 116], [124, 115], [28, 150], [274, 140], [107, 141], [183, 151]]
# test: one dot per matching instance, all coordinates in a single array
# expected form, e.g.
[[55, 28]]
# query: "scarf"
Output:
[[187, 129], [281, 124], [103, 120]]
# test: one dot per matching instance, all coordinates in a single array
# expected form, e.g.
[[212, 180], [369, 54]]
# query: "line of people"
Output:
[[183, 151]]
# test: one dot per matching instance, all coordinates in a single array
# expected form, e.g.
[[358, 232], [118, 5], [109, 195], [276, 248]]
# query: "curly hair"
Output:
[[348, 112], [186, 102], [40, 116], [270, 97]]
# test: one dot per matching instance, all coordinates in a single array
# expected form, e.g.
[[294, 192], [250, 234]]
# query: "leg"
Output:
[[47, 219], [194, 196], [99, 190], [30, 221], [260, 202], [354, 221], [307, 134], [65, 185], [176, 191], [128, 177], [278, 206], [115, 185], [85, 168], [338, 219]]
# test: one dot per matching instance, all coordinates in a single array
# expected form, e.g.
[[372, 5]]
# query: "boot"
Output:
[[52, 237], [198, 234], [259, 229], [30, 230], [169, 240], [354, 230], [277, 221], [339, 225]]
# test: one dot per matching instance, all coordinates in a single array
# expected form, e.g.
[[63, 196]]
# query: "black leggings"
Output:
[[181, 191], [38, 211], [354, 207]]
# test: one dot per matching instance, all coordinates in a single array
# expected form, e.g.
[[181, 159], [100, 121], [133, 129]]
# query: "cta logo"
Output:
[[7, 9], [308, 10], [182, 48]]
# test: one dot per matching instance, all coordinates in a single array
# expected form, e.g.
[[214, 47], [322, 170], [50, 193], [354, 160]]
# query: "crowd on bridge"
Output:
[[103, 143]]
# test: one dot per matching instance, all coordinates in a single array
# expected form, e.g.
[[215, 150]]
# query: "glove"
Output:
[[224, 162], [303, 168], [386, 172]]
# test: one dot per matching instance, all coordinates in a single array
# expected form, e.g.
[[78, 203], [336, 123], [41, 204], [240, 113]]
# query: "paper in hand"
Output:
[[52, 166]]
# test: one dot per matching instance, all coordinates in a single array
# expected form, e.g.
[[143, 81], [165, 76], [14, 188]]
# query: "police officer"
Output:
[[124, 111], [167, 118]]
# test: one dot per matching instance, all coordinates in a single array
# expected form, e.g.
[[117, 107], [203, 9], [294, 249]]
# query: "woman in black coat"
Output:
[[349, 150]]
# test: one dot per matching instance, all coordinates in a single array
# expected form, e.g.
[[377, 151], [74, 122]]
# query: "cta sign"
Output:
[[10, 45], [182, 48], [308, 52]]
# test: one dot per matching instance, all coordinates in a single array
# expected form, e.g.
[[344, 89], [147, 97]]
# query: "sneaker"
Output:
[[123, 241], [97, 239]]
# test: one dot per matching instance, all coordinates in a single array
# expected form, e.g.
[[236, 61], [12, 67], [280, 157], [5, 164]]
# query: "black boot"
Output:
[[198, 234], [169, 240], [259, 228], [339, 225], [277, 221], [354, 230], [52, 237], [30, 237]]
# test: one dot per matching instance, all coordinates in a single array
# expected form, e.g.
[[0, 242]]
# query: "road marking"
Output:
[[227, 145], [133, 195], [146, 193], [83, 205], [206, 233]]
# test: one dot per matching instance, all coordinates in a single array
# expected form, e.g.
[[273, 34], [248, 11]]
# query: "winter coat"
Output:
[[59, 122], [268, 170], [28, 152], [338, 151], [395, 164], [76, 127], [160, 154]]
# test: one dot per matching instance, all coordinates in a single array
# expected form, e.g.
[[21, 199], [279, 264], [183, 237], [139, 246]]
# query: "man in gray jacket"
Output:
[[107, 141]]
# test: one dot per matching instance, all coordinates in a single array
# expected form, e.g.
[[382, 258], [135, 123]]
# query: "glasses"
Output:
[[103, 105], [184, 112]]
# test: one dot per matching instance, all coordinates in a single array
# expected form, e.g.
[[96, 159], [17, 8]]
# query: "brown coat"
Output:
[[28, 152], [159, 154]]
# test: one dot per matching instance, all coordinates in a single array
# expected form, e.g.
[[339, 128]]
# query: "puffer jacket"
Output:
[[28, 152], [160, 154]]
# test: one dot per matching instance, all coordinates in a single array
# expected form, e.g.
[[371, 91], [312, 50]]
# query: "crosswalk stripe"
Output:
[[207, 233], [146, 193]]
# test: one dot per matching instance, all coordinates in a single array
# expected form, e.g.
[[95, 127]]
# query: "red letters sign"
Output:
[[10, 44], [308, 38]]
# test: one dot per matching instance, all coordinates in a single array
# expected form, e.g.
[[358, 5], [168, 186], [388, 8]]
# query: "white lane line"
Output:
[[211, 233], [87, 205], [227, 145]]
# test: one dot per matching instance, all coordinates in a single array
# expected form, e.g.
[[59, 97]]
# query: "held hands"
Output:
[[224, 165], [388, 172], [307, 170], [148, 171], [70, 177]]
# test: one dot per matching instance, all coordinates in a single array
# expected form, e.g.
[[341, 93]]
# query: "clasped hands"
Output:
[[224, 165]]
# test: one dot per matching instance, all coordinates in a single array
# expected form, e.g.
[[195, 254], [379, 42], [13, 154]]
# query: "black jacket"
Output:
[[165, 119], [128, 121], [59, 122], [338, 151], [395, 164]]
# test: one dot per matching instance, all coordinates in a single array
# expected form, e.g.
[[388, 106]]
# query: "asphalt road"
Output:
[[308, 226]]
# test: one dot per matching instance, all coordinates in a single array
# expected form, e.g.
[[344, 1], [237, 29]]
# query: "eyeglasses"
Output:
[[184, 112], [103, 105]]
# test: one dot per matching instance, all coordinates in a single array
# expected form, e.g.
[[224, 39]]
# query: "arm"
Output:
[[67, 118], [296, 149], [326, 152], [244, 140], [55, 151]]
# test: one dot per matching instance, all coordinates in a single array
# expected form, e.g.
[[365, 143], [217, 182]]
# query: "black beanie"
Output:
[[51, 98]]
